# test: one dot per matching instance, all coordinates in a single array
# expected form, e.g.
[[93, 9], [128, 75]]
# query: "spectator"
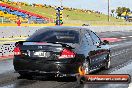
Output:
[[29, 19], [18, 22]]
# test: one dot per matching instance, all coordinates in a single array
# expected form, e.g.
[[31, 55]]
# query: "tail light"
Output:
[[17, 51], [66, 53]]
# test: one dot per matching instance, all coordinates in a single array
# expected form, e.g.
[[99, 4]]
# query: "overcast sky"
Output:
[[98, 5]]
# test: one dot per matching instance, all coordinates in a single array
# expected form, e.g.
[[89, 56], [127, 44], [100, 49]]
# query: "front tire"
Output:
[[108, 63]]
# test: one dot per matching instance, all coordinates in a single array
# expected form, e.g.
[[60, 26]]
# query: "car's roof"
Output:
[[64, 28]]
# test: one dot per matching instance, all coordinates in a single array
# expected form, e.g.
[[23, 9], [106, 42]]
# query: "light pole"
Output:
[[108, 10]]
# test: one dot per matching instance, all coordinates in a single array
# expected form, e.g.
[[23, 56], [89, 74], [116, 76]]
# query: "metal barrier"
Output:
[[6, 50]]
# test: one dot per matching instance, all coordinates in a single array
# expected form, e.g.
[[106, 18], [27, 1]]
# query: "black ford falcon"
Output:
[[61, 51]]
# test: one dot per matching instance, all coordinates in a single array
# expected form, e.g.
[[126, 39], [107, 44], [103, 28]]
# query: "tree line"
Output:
[[120, 10]]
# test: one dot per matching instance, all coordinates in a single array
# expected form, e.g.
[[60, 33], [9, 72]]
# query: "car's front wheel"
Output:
[[108, 62]]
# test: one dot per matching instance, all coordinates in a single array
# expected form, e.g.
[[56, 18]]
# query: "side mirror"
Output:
[[97, 44], [106, 42]]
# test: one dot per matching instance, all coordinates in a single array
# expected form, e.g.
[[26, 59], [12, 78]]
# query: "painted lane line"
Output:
[[123, 37], [121, 52], [130, 36]]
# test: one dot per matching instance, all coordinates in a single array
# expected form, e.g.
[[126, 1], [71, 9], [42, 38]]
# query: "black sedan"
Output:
[[61, 52]]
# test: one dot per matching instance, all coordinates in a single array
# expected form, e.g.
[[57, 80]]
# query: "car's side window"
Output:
[[89, 40], [95, 38]]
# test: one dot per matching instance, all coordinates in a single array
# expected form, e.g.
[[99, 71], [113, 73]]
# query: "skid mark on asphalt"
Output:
[[46, 84], [121, 52], [120, 66], [120, 57]]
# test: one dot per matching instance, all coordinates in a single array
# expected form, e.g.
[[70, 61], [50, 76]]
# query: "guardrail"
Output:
[[6, 50]]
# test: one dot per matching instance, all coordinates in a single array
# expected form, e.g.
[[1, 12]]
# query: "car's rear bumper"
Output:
[[43, 73], [51, 67]]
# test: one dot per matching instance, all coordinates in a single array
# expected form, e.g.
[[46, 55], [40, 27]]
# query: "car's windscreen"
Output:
[[63, 36]]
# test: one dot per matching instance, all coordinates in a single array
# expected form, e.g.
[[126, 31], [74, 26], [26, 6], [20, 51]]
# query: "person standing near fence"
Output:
[[18, 22]]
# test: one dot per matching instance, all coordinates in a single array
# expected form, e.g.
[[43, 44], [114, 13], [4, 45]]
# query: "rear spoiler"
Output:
[[63, 44]]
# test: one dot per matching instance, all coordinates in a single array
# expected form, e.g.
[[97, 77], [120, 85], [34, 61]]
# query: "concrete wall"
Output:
[[6, 32], [110, 28]]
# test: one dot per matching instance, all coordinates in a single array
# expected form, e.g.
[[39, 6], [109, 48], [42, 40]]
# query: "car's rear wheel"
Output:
[[83, 70], [81, 79], [108, 62], [86, 67]]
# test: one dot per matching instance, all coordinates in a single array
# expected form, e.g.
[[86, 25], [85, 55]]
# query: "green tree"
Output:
[[120, 10]]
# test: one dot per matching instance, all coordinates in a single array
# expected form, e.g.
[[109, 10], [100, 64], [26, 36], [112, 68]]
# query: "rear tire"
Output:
[[80, 79], [86, 67], [83, 70]]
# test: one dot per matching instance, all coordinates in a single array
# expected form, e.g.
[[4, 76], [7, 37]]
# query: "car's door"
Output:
[[98, 52], [91, 49]]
